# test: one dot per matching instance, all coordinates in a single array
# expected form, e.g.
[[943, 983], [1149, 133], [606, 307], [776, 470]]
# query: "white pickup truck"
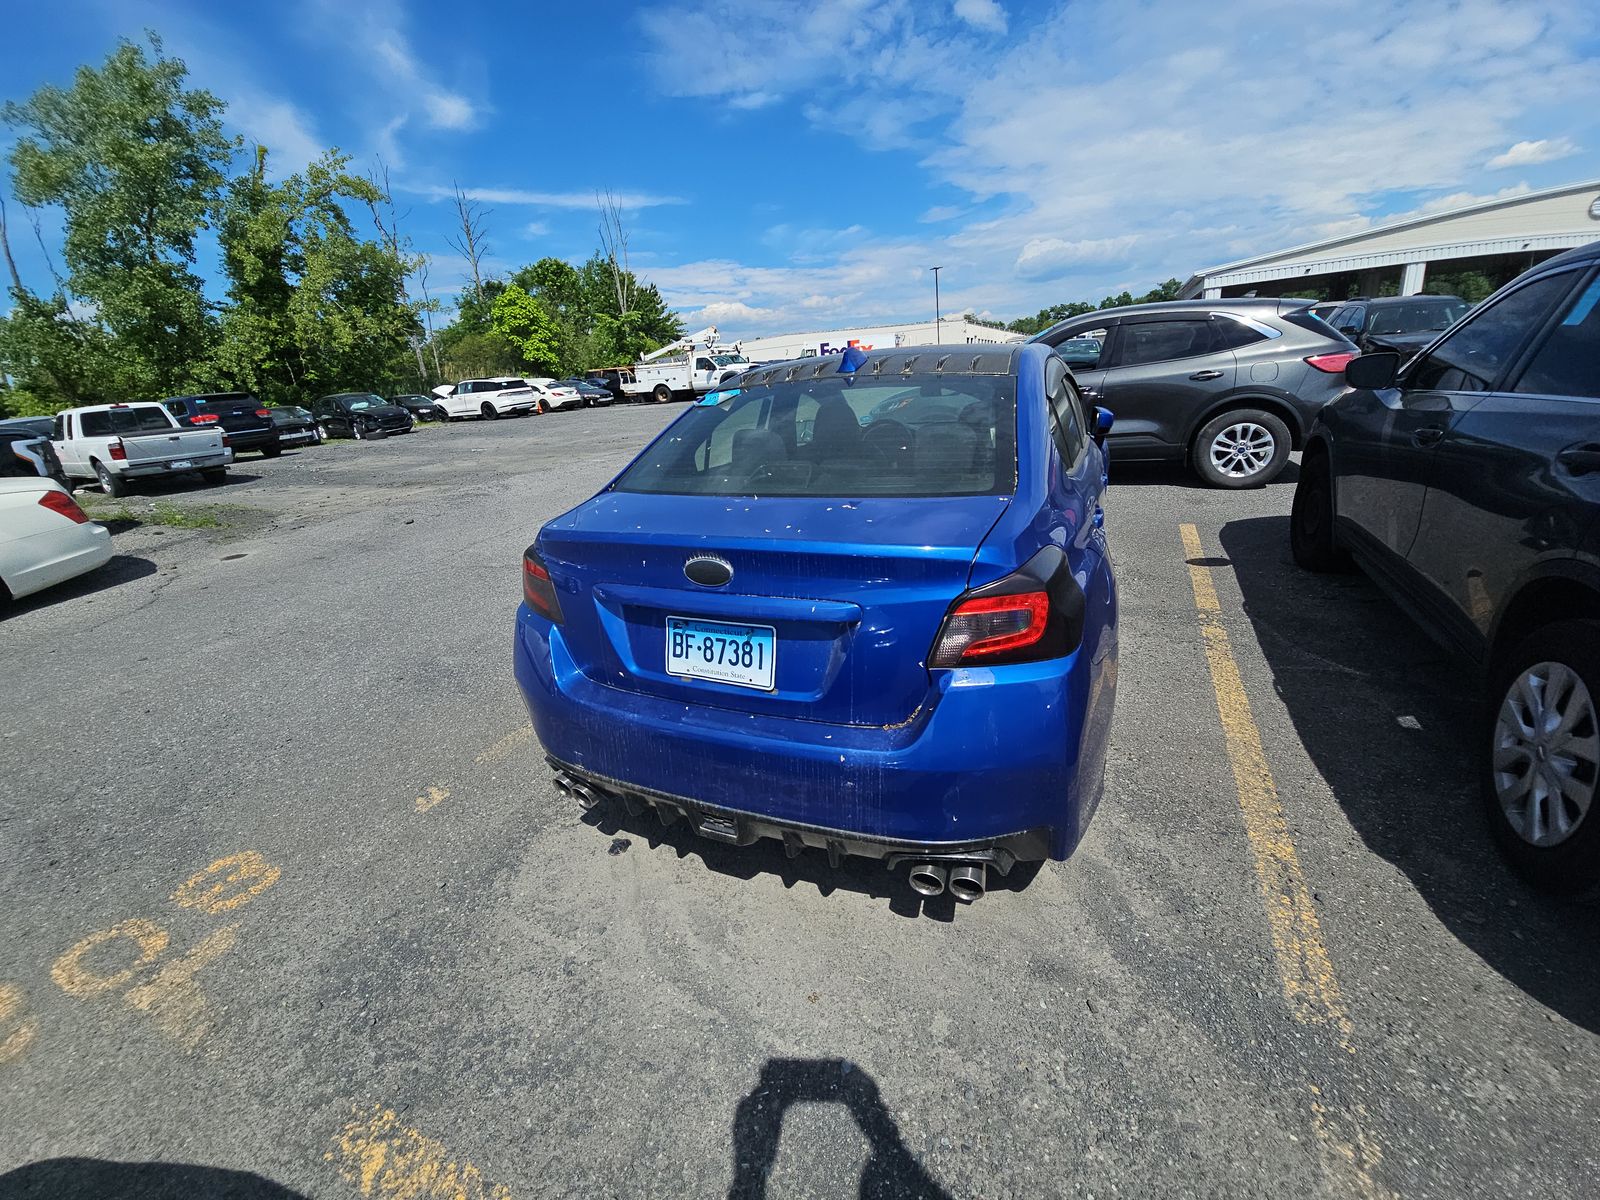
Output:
[[116, 443]]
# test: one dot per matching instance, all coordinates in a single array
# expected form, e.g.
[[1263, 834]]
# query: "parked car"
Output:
[[488, 398], [421, 408], [296, 426], [1467, 484], [246, 420], [900, 642], [360, 415], [116, 444], [1229, 386], [1403, 323], [38, 426], [45, 537], [592, 395], [25, 454], [553, 396]]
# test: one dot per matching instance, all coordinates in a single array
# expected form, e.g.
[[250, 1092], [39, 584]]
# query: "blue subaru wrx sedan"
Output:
[[859, 603]]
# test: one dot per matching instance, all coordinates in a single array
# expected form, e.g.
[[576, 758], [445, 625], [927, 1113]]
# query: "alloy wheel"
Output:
[[1546, 753], [1242, 449]]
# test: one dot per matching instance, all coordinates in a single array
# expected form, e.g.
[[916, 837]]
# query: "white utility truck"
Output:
[[683, 369], [117, 443]]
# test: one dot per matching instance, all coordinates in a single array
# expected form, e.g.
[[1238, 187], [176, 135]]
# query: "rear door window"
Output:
[[1568, 362], [1066, 416], [1231, 333], [1474, 357], [1161, 341]]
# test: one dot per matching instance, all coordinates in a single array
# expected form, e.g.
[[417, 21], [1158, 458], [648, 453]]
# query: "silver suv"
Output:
[[1228, 386]]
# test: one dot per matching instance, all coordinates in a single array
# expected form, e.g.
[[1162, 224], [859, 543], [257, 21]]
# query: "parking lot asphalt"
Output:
[[291, 908]]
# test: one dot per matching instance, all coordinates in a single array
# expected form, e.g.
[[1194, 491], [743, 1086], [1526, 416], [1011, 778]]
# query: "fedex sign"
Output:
[[829, 348]]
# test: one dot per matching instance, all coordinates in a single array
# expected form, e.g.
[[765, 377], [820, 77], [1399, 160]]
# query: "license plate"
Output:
[[742, 655], [181, 464]]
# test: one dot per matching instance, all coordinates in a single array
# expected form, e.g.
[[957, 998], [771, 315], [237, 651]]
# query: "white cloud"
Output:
[[285, 130], [728, 310], [982, 14], [486, 195], [1124, 141], [1527, 154], [535, 229]]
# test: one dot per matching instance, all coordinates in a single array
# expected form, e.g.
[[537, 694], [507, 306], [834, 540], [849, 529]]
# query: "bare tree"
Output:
[[5, 244], [614, 240], [472, 242], [427, 312]]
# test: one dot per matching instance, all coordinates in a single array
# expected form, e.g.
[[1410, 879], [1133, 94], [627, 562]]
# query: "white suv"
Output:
[[488, 398]]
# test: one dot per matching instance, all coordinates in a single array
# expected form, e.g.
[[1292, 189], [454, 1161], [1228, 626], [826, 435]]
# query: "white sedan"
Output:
[[554, 396], [45, 538]]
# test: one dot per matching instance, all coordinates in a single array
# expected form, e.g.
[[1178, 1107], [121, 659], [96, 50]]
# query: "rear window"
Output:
[[1416, 318], [147, 418], [913, 435]]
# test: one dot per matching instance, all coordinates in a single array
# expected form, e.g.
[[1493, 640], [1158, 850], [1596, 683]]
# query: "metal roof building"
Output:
[[950, 330], [1498, 238]]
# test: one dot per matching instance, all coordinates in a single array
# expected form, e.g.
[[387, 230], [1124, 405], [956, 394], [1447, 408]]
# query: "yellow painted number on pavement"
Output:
[[76, 979], [17, 1027], [228, 883]]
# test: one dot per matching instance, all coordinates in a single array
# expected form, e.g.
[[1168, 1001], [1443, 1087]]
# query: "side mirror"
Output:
[[1103, 420], [1372, 371]]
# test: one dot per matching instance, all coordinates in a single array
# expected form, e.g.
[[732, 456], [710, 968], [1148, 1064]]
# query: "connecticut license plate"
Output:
[[743, 655]]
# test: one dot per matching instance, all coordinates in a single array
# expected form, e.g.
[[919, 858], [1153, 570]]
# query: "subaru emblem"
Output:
[[708, 570]]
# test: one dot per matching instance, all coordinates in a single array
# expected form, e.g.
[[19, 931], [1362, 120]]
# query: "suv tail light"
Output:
[[204, 419], [263, 412], [537, 588], [64, 504], [1033, 614], [1332, 363], [118, 451]]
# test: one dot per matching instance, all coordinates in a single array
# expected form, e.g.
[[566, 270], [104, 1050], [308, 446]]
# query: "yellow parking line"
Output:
[[1304, 966], [505, 745]]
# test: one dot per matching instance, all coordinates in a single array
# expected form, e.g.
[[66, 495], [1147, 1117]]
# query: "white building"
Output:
[[951, 331], [1499, 239]]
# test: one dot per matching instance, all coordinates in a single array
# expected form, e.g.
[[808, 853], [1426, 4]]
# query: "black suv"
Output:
[[246, 421], [1403, 323], [1230, 386], [1467, 484]]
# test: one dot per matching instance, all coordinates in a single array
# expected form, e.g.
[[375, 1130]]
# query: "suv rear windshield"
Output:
[[147, 418], [1421, 317], [913, 435], [231, 405]]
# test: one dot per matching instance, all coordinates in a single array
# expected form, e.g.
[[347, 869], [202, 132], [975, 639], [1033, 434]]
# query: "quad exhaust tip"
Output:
[[928, 879], [969, 883]]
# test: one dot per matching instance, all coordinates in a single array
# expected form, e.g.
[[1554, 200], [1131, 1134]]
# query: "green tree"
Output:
[[136, 161], [523, 321]]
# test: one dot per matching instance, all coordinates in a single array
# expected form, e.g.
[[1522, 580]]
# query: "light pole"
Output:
[[935, 271]]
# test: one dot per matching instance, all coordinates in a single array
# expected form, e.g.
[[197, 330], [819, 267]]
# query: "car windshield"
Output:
[[357, 403], [913, 435], [1417, 318]]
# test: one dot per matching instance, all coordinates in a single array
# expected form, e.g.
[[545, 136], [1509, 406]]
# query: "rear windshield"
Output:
[[147, 418], [840, 435], [1417, 318]]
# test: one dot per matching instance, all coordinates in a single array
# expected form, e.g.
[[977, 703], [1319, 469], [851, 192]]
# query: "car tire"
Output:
[[1542, 727], [215, 475], [1241, 448], [489, 411], [661, 394], [1313, 538], [271, 451], [112, 485], [540, 408]]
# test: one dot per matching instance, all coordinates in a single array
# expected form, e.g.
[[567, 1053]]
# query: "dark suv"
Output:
[[1230, 386], [1403, 323], [1467, 484], [246, 421]]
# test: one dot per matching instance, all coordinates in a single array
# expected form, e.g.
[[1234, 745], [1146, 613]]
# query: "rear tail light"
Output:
[[204, 419], [64, 504], [118, 452], [226, 440], [1033, 614], [1332, 363], [263, 412], [537, 588]]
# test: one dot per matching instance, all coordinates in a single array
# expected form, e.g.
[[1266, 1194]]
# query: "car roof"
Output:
[[1384, 300], [1578, 254], [985, 359]]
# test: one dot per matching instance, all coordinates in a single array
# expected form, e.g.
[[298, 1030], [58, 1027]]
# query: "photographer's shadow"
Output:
[[891, 1171]]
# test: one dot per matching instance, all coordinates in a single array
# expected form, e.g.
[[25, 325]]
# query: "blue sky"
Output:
[[798, 166]]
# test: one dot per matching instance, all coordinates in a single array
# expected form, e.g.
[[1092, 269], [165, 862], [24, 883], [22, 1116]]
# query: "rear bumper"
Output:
[[198, 462], [253, 439], [1006, 759]]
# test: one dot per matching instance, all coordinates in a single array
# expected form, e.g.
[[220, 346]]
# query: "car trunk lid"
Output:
[[854, 592]]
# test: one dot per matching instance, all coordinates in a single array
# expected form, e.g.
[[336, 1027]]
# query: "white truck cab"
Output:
[[116, 443]]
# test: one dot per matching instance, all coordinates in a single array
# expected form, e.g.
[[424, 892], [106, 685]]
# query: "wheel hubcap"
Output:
[[1546, 754], [1242, 450]]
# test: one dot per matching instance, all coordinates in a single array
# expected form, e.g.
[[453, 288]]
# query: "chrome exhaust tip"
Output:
[[969, 882], [563, 783], [928, 879]]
